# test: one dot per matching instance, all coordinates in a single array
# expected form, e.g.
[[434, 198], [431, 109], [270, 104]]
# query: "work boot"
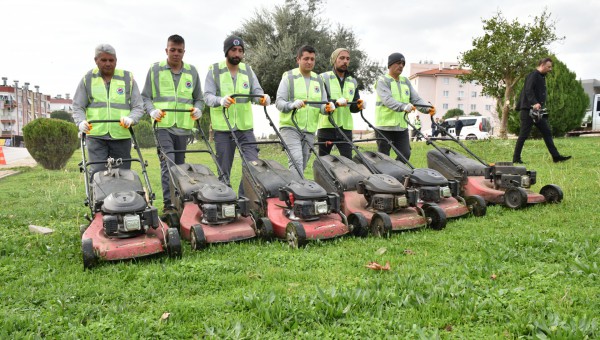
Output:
[[561, 158], [518, 161]]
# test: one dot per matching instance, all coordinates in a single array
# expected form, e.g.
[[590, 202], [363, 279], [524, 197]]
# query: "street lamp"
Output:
[[14, 140]]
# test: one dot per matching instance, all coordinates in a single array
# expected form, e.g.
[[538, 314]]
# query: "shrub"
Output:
[[144, 134], [63, 115], [454, 113], [51, 142]]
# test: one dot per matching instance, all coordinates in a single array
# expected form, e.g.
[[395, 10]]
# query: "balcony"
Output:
[[6, 133]]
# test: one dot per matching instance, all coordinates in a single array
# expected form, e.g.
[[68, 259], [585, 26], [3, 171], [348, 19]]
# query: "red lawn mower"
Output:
[[498, 183], [206, 209], [123, 222], [283, 203], [432, 188]]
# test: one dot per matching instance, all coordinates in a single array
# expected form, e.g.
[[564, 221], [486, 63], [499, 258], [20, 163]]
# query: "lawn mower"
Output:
[[498, 183], [432, 186], [372, 199], [123, 222], [285, 203], [205, 208]]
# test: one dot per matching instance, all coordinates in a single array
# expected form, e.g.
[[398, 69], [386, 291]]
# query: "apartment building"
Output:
[[438, 83], [19, 106]]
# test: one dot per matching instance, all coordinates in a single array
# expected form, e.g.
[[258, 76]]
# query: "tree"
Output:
[[454, 113], [62, 115], [566, 102], [475, 113], [272, 38], [504, 55]]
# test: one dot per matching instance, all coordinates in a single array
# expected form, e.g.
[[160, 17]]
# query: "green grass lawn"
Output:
[[527, 273]]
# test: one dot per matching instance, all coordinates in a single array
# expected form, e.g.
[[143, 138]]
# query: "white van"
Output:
[[474, 127]]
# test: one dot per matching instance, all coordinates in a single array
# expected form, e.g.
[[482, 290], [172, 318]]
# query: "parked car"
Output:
[[474, 127]]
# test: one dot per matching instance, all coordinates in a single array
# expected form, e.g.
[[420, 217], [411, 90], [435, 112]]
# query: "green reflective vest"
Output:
[[342, 115], [385, 116], [165, 96], [108, 105], [240, 113], [308, 116], [417, 124]]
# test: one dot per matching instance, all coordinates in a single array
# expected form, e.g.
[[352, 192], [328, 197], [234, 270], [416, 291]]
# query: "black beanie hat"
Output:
[[232, 41], [394, 58]]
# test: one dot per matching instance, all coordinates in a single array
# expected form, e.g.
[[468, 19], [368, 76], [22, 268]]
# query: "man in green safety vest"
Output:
[[106, 93], [341, 88], [394, 97], [297, 86], [416, 135], [172, 85], [224, 79]]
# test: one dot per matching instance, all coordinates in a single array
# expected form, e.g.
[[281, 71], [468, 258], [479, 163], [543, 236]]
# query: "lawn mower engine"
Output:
[[506, 175], [219, 204], [307, 200], [432, 185], [126, 214], [385, 193]]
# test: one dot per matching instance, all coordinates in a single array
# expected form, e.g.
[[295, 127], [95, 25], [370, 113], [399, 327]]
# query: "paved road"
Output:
[[15, 157]]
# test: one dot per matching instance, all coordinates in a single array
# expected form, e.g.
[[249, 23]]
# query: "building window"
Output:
[[461, 94], [461, 106], [446, 93], [446, 80], [474, 94], [445, 106], [488, 107], [473, 107]]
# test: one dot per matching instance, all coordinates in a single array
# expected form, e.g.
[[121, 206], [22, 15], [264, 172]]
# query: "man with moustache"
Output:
[[395, 97], [232, 76], [172, 85], [107, 93], [341, 88], [297, 86]]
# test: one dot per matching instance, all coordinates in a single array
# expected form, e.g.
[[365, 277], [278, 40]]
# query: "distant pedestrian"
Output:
[[533, 97], [417, 130], [458, 125]]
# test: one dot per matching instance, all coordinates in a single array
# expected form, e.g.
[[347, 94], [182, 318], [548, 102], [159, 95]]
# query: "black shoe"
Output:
[[561, 158], [518, 161]]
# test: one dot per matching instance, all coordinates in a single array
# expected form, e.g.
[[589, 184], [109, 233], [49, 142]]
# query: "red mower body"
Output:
[[114, 249], [241, 228]]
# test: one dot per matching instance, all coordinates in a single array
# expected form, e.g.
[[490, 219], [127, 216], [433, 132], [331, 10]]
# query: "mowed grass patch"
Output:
[[525, 273]]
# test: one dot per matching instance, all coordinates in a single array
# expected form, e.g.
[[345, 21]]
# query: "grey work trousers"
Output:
[[101, 149], [399, 139], [225, 149], [299, 150], [169, 142]]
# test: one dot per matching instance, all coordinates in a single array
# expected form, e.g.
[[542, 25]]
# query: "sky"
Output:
[[51, 43]]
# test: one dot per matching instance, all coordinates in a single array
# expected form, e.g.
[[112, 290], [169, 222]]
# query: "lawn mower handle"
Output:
[[177, 110]]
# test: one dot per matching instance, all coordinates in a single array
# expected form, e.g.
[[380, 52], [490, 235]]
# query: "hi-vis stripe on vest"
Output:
[[341, 115], [385, 116], [111, 105], [308, 116], [240, 113], [165, 96]]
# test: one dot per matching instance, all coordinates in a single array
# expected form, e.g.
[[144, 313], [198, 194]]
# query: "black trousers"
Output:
[[399, 139], [333, 135], [526, 126]]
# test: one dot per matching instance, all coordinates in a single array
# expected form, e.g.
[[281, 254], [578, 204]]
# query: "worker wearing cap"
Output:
[[395, 98], [297, 86], [172, 85], [107, 93], [224, 79], [341, 88]]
